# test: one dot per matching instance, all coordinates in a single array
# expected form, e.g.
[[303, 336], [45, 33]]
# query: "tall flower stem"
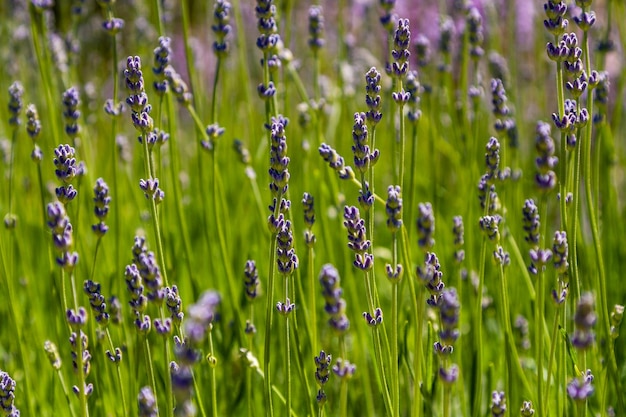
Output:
[[540, 317], [153, 209], [79, 356], [555, 340], [417, 315], [395, 378], [148, 361], [269, 313], [174, 169], [478, 332], [287, 351], [600, 277]]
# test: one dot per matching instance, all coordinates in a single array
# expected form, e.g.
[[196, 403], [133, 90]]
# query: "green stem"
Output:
[[554, 342], [478, 341], [540, 317], [312, 298], [148, 360], [153, 211], [214, 412], [118, 370], [269, 313]]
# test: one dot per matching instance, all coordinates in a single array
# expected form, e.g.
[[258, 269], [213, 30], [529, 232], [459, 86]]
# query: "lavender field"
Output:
[[312, 208]]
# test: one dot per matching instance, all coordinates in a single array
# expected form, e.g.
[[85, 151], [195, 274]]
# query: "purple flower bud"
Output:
[[498, 404], [580, 388], [147, 403]]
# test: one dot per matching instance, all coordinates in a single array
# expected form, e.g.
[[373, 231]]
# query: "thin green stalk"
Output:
[[412, 172], [148, 361], [540, 316], [118, 370], [417, 307], [395, 377], [343, 395], [218, 66], [554, 342], [219, 223], [153, 211], [478, 335], [505, 319], [174, 169], [446, 400], [269, 313], [288, 351], [312, 298], [402, 140], [79, 346], [214, 403]]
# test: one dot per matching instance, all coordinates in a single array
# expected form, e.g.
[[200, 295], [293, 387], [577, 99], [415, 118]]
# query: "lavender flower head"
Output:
[[147, 403], [344, 369], [458, 231], [16, 91], [372, 97], [279, 161], [316, 28], [560, 252], [387, 18], [62, 236], [162, 57], [364, 158], [393, 208], [7, 396], [33, 124], [527, 409], [322, 364], [221, 27], [251, 281], [79, 344], [200, 316], [101, 206], [430, 274], [425, 226], [422, 50], [555, 13], [96, 301], [357, 241], [137, 99], [286, 257], [71, 113], [52, 353], [584, 320], [178, 86], [475, 33], [335, 306], [400, 53], [336, 162], [182, 386], [580, 388], [498, 404], [449, 309], [174, 304], [545, 178], [531, 222]]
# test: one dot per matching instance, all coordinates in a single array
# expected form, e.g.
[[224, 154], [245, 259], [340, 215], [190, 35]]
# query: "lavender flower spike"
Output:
[[147, 403], [16, 91], [7, 395]]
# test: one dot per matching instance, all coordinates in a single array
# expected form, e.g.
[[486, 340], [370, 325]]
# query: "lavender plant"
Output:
[[540, 327]]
